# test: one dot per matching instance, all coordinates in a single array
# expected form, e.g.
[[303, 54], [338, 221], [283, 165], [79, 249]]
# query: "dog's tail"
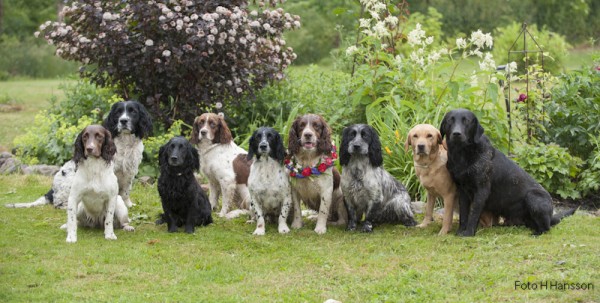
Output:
[[399, 210], [559, 216], [43, 200]]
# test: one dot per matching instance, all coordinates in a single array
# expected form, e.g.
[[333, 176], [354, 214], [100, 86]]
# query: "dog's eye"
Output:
[[99, 137], [429, 136], [212, 125], [415, 136]]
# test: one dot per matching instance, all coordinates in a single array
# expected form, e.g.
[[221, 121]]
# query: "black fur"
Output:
[[141, 121], [487, 180], [266, 139], [183, 200]]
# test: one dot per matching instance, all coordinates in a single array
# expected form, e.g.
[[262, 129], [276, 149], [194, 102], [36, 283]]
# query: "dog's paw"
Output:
[[10, 205], [128, 228], [129, 203], [110, 236], [321, 229], [71, 238], [189, 230], [222, 214], [64, 226], [443, 232], [424, 224], [283, 229], [297, 224], [251, 221], [259, 232], [367, 227], [465, 233]]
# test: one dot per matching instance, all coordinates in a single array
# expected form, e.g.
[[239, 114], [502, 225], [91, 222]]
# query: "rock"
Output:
[[9, 166], [146, 180], [42, 169], [418, 207]]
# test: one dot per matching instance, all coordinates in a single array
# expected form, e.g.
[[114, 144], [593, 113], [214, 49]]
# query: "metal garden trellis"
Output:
[[524, 33]]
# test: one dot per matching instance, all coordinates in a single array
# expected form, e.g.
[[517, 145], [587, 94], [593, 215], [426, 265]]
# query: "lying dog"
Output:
[[93, 200], [487, 180], [369, 189], [183, 200], [269, 182]]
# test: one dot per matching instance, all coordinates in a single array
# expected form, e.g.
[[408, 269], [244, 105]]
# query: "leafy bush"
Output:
[[589, 179], [551, 165], [400, 91], [176, 57], [574, 112], [554, 46]]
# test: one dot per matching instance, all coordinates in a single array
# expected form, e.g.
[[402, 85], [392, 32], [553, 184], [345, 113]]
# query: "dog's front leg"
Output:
[[351, 213], [228, 190], [285, 212], [479, 199], [109, 233], [428, 210], [297, 222], [171, 222], [449, 201], [260, 218], [190, 225], [125, 190], [213, 194], [464, 204], [326, 196], [72, 204]]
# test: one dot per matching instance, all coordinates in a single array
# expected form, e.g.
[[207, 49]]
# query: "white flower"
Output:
[[207, 17], [223, 21], [101, 35], [254, 23], [511, 67], [162, 18], [149, 42], [218, 105], [243, 40], [488, 63], [166, 53], [416, 35], [170, 15], [238, 90], [473, 80], [228, 82], [84, 40], [194, 17], [391, 20], [429, 40], [177, 8], [380, 30], [350, 51], [481, 40], [461, 43], [433, 57], [36, 34], [107, 16], [476, 52], [365, 23], [267, 26]]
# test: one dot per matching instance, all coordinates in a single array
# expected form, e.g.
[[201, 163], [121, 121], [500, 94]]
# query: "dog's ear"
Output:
[[375, 155], [324, 143], [108, 147], [195, 158], [294, 138], [112, 120], [162, 155], [443, 126], [279, 150], [477, 130], [344, 155], [408, 140], [145, 126], [439, 137], [223, 134], [253, 147], [195, 131], [79, 149]]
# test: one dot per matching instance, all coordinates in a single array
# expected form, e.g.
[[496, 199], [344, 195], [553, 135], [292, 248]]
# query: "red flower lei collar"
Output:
[[300, 172]]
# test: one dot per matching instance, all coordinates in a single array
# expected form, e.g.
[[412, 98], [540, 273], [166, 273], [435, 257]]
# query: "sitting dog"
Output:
[[487, 180], [315, 181], [93, 199], [223, 163], [369, 189], [268, 182], [183, 200]]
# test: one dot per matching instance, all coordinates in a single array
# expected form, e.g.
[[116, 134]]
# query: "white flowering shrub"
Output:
[[404, 77], [177, 57]]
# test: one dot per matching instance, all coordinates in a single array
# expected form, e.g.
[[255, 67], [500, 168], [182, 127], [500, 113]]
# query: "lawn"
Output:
[[224, 262]]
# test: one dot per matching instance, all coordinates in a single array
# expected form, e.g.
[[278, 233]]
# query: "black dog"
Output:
[[183, 200], [487, 180]]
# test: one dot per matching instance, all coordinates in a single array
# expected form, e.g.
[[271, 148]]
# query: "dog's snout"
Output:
[[356, 147], [308, 135], [203, 132], [421, 147], [263, 146], [456, 133], [174, 158], [89, 150]]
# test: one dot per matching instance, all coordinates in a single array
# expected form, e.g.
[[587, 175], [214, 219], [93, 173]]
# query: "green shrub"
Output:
[[589, 179], [554, 46], [551, 165]]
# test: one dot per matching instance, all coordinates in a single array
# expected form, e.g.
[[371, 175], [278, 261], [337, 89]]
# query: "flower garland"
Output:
[[300, 172]]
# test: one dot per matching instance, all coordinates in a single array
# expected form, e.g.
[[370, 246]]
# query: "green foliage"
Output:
[[27, 57], [20, 18], [553, 45], [50, 139], [306, 90], [551, 165], [589, 179], [574, 111]]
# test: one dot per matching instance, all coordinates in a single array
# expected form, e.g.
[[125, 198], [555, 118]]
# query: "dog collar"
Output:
[[300, 172]]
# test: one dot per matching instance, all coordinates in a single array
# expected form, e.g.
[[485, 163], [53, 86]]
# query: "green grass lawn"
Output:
[[224, 262], [32, 96]]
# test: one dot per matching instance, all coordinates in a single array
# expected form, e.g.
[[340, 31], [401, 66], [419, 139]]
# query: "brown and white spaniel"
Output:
[[223, 163], [316, 181], [94, 199]]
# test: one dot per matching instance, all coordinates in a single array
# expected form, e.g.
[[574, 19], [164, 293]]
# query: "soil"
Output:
[[590, 203]]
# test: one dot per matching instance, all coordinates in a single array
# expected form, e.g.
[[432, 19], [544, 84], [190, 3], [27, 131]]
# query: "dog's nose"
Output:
[[421, 147], [355, 147], [123, 121], [456, 134], [89, 150], [174, 158], [308, 136], [263, 146], [203, 132]]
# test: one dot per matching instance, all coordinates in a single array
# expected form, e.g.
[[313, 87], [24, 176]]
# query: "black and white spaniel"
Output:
[[128, 123], [369, 189], [94, 199], [317, 182], [268, 182], [223, 163], [183, 200]]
